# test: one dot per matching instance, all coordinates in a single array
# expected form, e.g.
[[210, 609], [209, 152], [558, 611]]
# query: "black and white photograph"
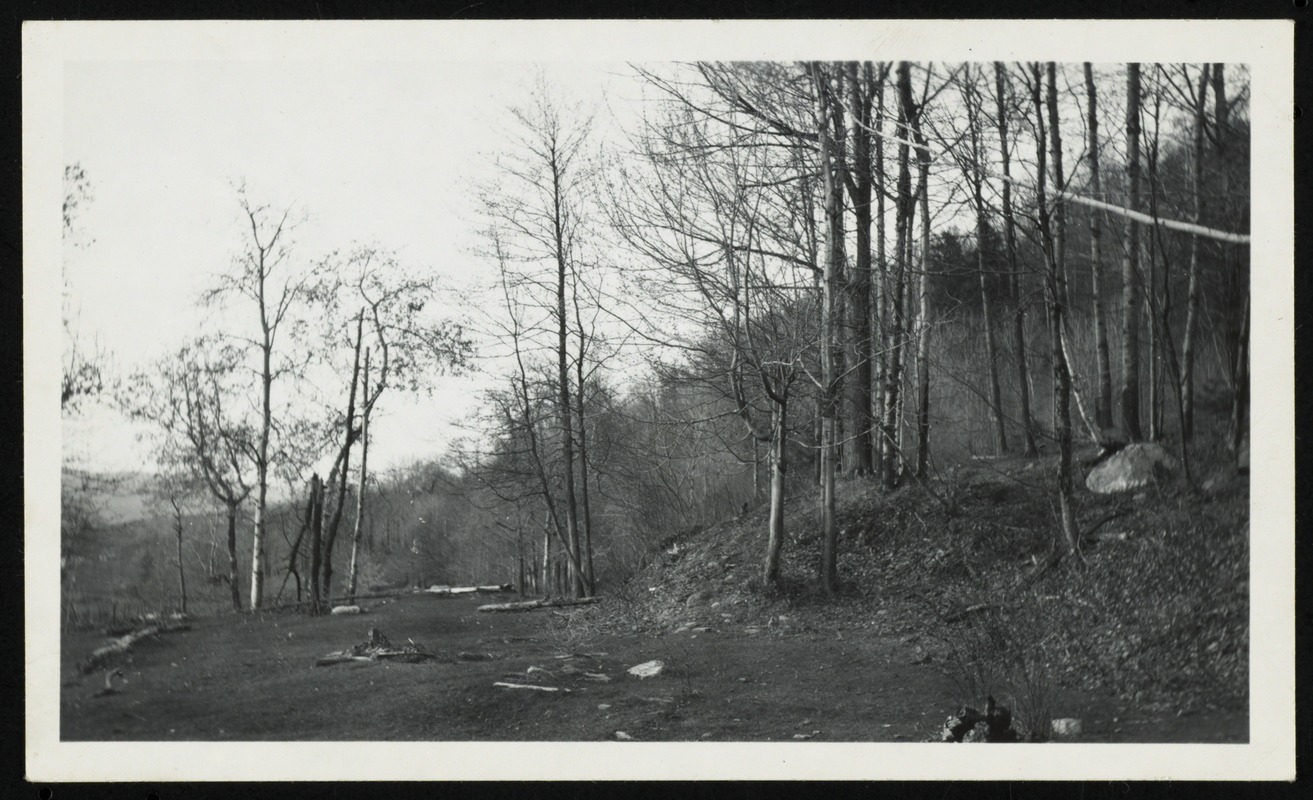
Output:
[[795, 399]]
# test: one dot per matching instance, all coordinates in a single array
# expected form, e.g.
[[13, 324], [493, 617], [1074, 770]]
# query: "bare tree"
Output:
[[188, 398], [1103, 364], [265, 277], [1131, 299], [896, 326], [1057, 292], [1001, 95], [539, 211], [974, 169]]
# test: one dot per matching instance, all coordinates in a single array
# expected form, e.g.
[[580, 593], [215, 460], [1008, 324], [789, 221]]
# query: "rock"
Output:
[[339, 611], [648, 669], [624, 737], [1066, 727], [1135, 466], [698, 598]]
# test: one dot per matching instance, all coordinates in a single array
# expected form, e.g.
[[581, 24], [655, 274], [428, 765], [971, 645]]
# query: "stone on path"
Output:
[[648, 669]]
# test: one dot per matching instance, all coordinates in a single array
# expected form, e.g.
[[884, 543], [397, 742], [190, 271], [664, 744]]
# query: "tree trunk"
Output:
[[577, 586], [879, 279], [182, 575], [262, 471], [360, 493], [923, 322], [1010, 239], [894, 345], [586, 555], [345, 457], [1103, 363], [828, 571], [233, 577], [1059, 222], [778, 468], [977, 177], [1239, 327], [316, 540], [1070, 538], [1240, 398], [1192, 281], [1131, 308], [859, 386], [548, 587]]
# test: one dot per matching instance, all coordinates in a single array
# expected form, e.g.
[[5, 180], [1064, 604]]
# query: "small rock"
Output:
[[648, 669], [624, 737], [603, 706], [1067, 727], [339, 611], [698, 598]]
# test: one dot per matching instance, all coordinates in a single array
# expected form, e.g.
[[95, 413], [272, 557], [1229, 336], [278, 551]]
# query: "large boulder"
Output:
[[1133, 467]]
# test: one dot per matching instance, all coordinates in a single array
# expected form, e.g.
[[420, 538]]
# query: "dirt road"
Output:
[[254, 677]]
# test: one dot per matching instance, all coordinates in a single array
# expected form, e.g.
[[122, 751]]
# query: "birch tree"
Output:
[[266, 281]]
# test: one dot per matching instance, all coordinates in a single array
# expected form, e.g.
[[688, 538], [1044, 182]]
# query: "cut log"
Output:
[[530, 605], [530, 686], [123, 644], [527, 605], [340, 658]]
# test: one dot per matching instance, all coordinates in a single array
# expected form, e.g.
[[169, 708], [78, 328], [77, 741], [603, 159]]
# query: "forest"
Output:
[[782, 295]]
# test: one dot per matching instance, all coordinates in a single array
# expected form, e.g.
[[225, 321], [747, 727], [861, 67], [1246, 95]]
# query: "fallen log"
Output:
[[530, 605], [123, 644], [456, 591], [530, 686]]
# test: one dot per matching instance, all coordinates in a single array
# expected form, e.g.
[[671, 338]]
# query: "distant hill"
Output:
[[117, 496]]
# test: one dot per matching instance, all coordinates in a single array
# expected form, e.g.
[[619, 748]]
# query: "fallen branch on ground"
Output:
[[454, 591], [378, 648], [505, 685], [530, 605]]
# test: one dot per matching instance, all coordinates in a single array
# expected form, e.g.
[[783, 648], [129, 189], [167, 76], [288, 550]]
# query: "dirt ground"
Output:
[[253, 677]]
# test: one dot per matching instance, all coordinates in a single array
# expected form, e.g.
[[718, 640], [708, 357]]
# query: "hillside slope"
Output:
[[1158, 613]]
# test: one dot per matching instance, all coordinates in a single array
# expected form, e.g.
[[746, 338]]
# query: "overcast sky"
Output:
[[369, 151]]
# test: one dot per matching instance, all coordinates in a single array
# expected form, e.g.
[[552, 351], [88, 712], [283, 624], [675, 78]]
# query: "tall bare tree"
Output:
[[861, 88], [1056, 291], [1002, 96], [1103, 363], [831, 365], [1131, 299], [265, 277], [974, 169], [896, 326]]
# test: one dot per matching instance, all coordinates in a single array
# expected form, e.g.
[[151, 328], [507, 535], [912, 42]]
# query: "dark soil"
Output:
[[253, 678]]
